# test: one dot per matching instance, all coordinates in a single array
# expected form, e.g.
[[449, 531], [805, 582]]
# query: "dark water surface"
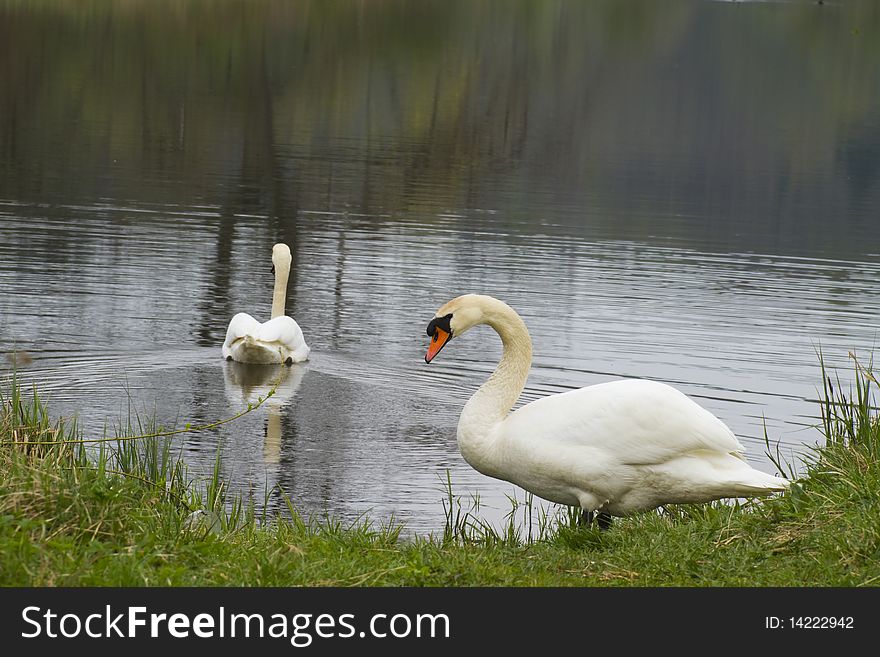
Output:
[[686, 192]]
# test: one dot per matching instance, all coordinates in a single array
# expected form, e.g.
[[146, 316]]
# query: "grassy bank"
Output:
[[123, 513]]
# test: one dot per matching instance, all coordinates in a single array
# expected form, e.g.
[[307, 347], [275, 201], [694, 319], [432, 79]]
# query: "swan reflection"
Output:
[[246, 384]]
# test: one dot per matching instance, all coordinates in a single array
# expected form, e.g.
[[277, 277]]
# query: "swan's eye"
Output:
[[273, 269], [441, 323]]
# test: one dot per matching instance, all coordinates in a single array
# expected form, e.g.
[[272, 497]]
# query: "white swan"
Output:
[[617, 448], [280, 340]]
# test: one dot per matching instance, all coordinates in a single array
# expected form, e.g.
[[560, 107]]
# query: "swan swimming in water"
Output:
[[615, 448], [280, 340]]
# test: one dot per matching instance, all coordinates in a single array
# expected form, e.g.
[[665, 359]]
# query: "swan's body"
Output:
[[619, 448], [280, 340]]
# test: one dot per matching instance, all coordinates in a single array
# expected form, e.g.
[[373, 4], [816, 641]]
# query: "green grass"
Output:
[[125, 512]]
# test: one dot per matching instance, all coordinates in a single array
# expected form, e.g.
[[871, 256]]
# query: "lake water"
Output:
[[686, 192]]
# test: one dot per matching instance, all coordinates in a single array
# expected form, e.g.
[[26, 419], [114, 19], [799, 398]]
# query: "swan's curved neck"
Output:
[[279, 294], [493, 401]]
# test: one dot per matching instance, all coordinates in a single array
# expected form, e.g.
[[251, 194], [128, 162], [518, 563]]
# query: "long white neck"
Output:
[[493, 401], [279, 294]]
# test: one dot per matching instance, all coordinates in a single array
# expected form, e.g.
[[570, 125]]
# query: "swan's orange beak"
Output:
[[439, 339]]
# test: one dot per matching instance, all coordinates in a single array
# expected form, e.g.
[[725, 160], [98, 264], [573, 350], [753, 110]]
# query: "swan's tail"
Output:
[[760, 483]]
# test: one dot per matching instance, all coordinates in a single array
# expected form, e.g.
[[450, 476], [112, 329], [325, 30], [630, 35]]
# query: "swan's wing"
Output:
[[282, 330], [637, 422], [239, 326]]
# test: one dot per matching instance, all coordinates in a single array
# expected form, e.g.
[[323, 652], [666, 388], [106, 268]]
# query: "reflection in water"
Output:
[[216, 300], [654, 197], [246, 384], [272, 446]]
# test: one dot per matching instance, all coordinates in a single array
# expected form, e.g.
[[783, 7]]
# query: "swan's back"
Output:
[[249, 341], [637, 421]]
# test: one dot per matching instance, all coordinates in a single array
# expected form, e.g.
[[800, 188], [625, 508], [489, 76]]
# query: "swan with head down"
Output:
[[279, 340], [615, 448]]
